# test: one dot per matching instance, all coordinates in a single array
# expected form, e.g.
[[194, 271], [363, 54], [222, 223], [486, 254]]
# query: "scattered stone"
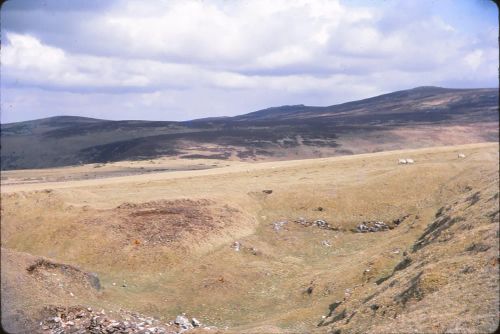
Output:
[[372, 226], [195, 322], [399, 220], [326, 243], [183, 322], [321, 223], [302, 221], [317, 223], [277, 226], [236, 246], [267, 191], [75, 319]]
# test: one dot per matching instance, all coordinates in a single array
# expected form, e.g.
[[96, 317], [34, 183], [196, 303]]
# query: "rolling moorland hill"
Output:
[[419, 117]]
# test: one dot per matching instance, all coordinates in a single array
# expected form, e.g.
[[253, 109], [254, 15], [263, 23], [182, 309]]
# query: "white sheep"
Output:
[[410, 161], [461, 156], [402, 162]]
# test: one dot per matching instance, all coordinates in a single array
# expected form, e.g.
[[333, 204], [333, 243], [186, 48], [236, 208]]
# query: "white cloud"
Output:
[[474, 59], [185, 55]]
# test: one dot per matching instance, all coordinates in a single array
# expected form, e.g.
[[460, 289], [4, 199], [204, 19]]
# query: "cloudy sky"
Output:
[[179, 60]]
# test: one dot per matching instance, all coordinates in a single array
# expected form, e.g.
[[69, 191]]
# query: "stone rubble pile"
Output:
[[377, 226], [79, 320], [318, 223], [373, 226], [279, 225]]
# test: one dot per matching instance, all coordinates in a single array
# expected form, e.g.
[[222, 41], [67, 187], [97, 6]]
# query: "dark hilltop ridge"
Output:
[[419, 117]]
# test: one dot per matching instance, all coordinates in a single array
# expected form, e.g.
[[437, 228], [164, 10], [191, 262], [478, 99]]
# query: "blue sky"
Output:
[[179, 60]]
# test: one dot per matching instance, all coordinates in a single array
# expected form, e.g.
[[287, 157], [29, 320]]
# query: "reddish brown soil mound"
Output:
[[163, 222]]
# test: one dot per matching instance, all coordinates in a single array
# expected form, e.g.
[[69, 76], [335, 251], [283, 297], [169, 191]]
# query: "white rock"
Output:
[[320, 223], [195, 322], [182, 321], [278, 225], [236, 246]]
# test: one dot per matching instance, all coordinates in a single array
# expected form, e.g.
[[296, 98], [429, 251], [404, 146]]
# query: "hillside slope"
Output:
[[436, 285], [419, 117]]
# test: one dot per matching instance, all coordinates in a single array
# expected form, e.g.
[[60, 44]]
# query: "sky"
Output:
[[187, 59]]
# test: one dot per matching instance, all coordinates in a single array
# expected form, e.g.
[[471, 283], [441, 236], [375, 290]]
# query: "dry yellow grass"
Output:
[[264, 286]]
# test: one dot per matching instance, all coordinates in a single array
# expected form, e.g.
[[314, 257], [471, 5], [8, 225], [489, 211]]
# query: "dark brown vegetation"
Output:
[[442, 116]]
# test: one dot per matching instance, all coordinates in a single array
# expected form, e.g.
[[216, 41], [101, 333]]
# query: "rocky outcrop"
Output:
[[78, 319]]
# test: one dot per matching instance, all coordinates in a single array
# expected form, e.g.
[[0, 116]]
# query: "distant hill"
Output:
[[418, 117]]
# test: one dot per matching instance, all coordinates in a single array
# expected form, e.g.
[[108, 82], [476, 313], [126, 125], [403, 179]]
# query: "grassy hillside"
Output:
[[163, 244]]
